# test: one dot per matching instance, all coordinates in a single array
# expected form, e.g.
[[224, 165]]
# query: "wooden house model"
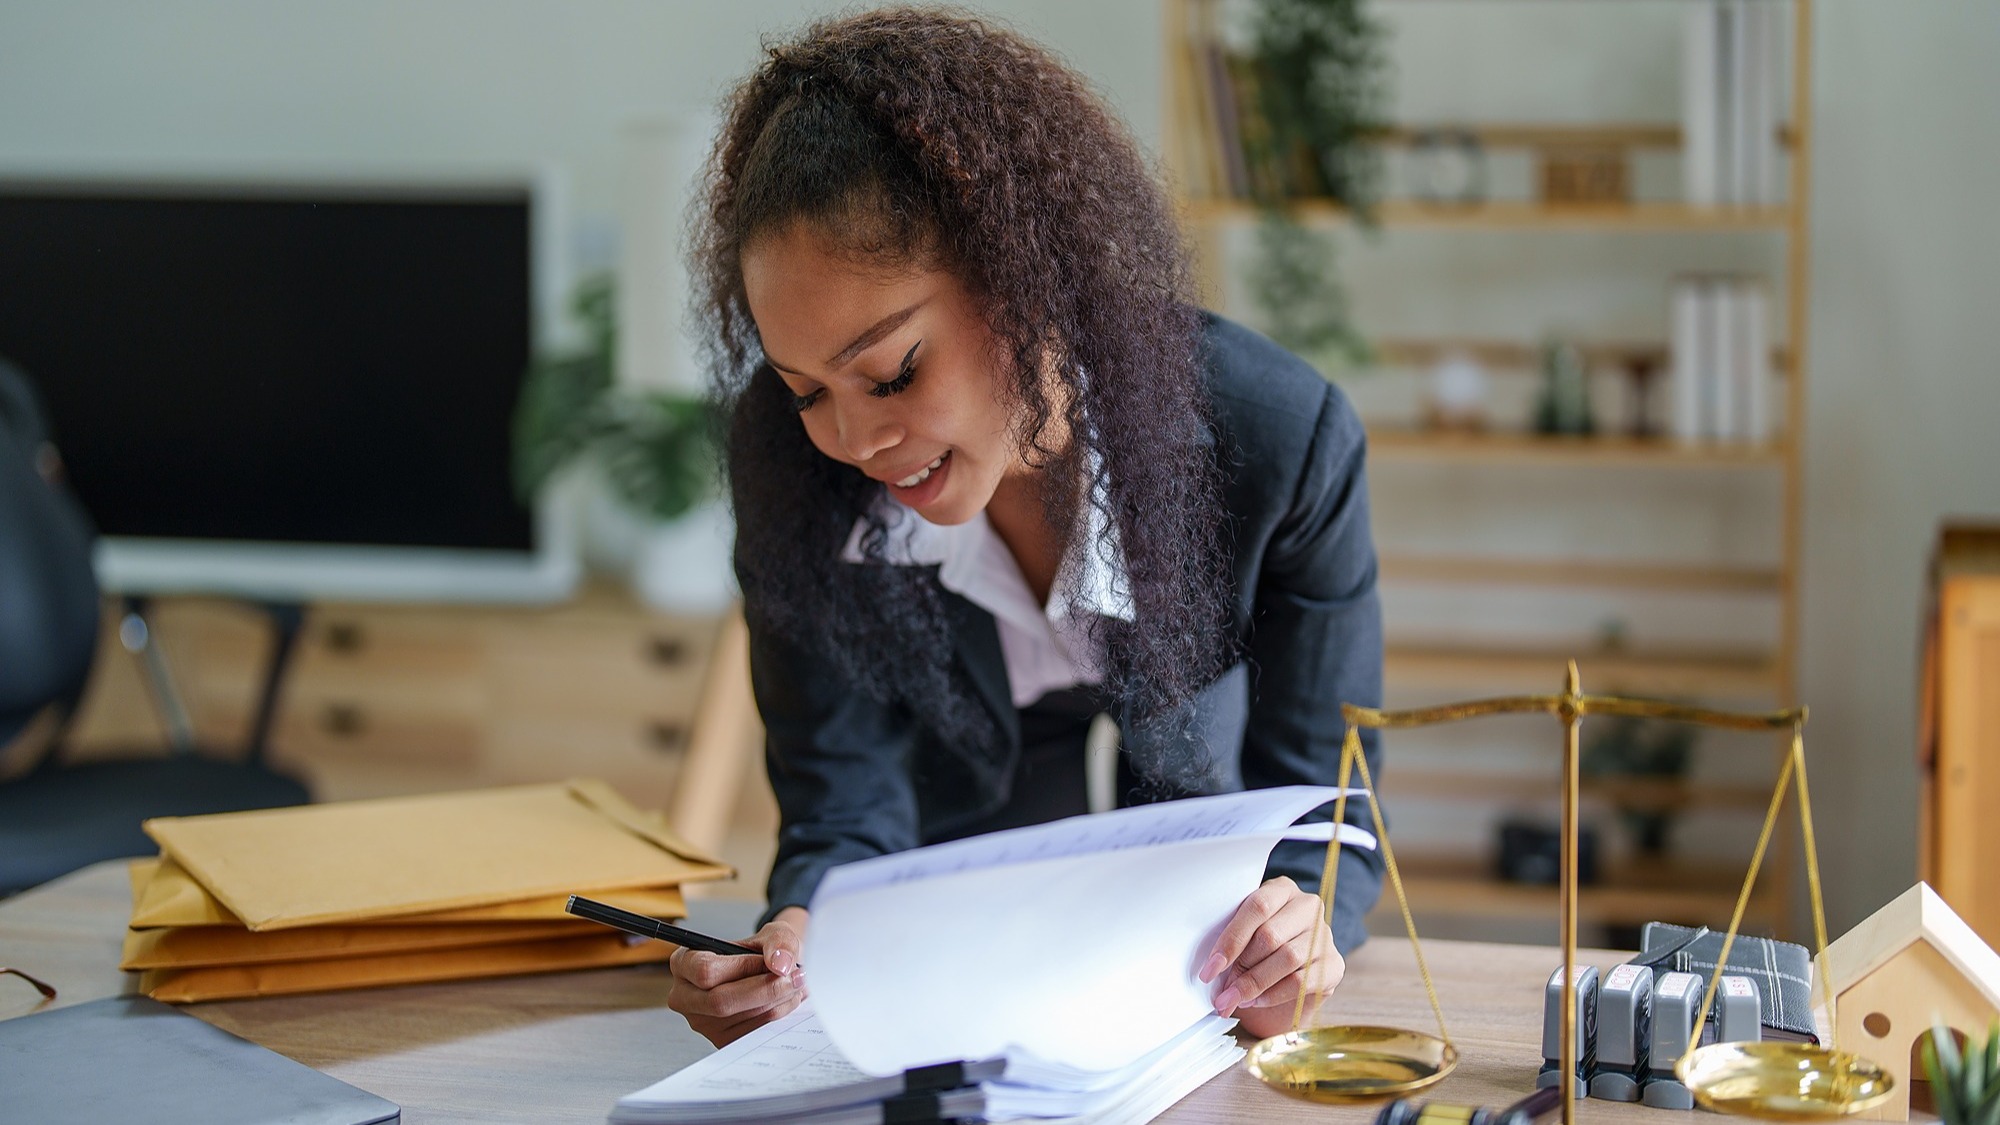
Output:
[[1909, 965]]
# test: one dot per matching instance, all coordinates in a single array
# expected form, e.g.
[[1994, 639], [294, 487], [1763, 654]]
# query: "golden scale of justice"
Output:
[[1778, 1081]]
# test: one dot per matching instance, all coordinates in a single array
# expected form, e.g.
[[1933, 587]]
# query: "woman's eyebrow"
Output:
[[873, 335], [868, 339]]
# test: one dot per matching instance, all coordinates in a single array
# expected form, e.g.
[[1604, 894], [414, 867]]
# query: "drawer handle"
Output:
[[663, 736], [343, 720], [344, 637], [666, 652]]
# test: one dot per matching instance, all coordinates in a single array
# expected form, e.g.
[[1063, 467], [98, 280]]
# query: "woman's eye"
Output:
[[804, 402], [904, 373]]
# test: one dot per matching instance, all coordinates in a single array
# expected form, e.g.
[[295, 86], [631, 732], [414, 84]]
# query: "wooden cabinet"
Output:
[[390, 699], [1961, 782]]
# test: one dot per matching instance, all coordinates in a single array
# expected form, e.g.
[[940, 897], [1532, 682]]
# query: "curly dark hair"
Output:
[[920, 138]]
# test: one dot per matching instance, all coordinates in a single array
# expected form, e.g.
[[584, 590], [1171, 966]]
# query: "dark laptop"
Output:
[[133, 1059]]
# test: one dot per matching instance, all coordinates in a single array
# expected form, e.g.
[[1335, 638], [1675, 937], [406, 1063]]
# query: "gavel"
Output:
[[1406, 1112]]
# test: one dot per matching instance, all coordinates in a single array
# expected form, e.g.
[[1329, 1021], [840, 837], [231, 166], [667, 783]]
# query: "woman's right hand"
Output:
[[726, 997]]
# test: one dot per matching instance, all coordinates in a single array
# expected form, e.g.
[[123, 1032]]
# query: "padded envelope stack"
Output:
[[400, 890]]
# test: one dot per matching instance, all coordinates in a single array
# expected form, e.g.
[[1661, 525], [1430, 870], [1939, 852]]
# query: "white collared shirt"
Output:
[[1045, 648]]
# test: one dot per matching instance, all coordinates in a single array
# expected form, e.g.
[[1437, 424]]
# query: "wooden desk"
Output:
[[563, 1047]]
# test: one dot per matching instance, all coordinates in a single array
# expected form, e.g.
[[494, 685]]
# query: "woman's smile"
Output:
[[924, 485]]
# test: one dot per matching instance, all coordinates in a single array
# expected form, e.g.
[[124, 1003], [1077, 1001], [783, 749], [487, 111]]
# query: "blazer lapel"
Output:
[[977, 641]]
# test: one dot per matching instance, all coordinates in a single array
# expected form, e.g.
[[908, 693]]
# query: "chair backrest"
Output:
[[48, 591]]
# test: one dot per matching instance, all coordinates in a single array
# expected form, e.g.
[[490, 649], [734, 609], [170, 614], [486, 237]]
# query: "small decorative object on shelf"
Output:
[[1571, 175], [1449, 167], [1456, 399], [1640, 367], [1531, 852], [1564, 406], [1645, 749]]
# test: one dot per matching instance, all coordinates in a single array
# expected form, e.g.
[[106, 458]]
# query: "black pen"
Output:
[[654, 928]]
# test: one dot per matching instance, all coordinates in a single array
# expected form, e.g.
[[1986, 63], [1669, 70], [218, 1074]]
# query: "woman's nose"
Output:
[[866, 429]]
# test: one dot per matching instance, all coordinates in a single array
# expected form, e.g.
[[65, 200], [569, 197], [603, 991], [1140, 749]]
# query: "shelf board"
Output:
[[1515, 215], [1641, 893], [1519, 355], [1701, 674], [1435, 445], [1648, 794], [1613, 134], [1609, 134], [1566, 572]]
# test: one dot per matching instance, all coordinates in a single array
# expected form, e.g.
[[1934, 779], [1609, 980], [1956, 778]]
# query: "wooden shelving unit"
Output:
[[1738, 677]]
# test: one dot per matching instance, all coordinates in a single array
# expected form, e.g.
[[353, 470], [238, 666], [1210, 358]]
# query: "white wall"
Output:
[[1904, 418], [380, 81], [1904, 394]]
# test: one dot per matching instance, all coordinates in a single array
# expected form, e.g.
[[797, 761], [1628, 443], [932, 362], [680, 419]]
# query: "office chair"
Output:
[[58, 816]]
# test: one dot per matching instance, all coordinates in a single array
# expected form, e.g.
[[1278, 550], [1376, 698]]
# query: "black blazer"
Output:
[[856, 778]]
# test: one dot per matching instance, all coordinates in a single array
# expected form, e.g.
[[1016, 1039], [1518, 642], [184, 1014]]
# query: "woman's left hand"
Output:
[[1260, 961]]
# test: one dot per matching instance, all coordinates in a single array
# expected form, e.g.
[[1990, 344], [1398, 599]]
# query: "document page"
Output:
[[1075, 941], [787, 1056], [1229, 814]]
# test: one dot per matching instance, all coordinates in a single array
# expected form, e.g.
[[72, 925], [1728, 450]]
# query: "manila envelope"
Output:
[[164, 894], [343, 862], [184, 986], [193, 946]]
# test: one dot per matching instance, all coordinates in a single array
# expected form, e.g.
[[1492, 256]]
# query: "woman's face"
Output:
[[895, 374]]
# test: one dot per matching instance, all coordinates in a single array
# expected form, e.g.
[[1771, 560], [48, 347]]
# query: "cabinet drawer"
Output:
[[586, 670], [640, 756]]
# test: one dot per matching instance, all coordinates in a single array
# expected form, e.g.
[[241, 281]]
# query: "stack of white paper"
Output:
[[790, 1071], [1044, 972]]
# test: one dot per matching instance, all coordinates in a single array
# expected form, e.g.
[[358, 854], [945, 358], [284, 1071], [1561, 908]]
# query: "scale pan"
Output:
[[1351, 1064], [1783, 1081]]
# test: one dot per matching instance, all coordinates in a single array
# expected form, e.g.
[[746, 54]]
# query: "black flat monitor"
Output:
[[294, 387]]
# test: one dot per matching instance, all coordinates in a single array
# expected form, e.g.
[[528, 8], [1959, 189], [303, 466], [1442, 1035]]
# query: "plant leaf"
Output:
[[1942, 1064], [1948, 1057], [1993, 1055], [1972, 1090]]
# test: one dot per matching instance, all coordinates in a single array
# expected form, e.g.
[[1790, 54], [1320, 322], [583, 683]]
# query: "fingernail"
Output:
[[797, 976], [1226, 1000], [781, 962], [1216, 961]]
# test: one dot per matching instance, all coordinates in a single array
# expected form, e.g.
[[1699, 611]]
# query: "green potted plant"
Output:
[[1965, 1085], [652, 450], [1320, 90]]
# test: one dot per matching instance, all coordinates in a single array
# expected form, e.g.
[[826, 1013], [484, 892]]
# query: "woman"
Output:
[[994, 474]]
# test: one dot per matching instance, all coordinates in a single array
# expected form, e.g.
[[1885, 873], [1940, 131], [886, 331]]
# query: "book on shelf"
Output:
[[1750, 359], [1701, 120], [1721, 377], [1690, 315], [1733, 67]]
